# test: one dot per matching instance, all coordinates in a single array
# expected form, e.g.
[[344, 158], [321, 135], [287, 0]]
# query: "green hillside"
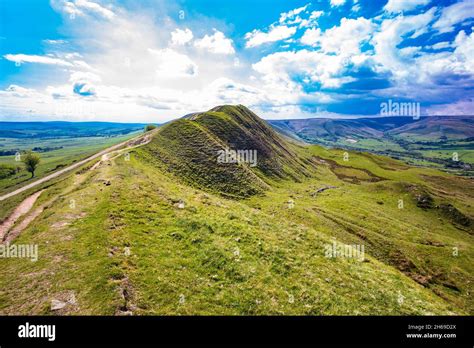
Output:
[[189, 148], [443, 142], [171, 231]]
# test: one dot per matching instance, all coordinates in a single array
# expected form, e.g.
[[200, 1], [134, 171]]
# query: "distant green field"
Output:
[[375, 144], [435, 154], [463, 154], [73, 149]]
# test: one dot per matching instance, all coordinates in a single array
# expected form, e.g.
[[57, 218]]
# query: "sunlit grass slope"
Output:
[[151, 236]]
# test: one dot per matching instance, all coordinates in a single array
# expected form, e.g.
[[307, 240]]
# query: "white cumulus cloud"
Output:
[[337, 2], [280, 70], [291, 14], [276, 33], [181, 37], [404, 5], [216, 43], [344, 39], [391, 34], [311, 37], [172, 64], [454, 14]]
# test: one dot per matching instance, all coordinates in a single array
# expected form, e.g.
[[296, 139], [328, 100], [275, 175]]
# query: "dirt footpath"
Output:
[[23, 208]]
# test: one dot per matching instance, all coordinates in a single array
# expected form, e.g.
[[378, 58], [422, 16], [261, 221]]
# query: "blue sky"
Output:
[[152, 60]]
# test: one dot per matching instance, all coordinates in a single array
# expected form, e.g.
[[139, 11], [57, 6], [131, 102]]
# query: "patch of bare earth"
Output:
[[22, 209], [126, 293]]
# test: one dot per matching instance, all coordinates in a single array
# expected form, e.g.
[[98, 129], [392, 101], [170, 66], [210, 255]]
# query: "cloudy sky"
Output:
[[153, 60]]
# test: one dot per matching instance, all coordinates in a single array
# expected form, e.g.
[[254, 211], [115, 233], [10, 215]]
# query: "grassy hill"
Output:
[[434, 127], [189, 148], [427, 141], [437, 128], [172, 231], [332, 129]]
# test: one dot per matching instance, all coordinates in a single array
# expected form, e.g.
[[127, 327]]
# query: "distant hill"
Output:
[[334, 129], [438, 127], [65, 129], [432, 141]]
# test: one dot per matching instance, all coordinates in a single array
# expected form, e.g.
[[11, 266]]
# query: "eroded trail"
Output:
[[23, 208], [8, 232], [132, 143]]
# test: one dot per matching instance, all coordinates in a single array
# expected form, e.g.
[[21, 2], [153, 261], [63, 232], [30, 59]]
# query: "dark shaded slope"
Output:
[[189, 148]]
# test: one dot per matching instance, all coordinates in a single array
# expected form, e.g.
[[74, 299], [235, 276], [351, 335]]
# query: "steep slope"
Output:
[[131, 248], [191, 148], [160, 232]]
